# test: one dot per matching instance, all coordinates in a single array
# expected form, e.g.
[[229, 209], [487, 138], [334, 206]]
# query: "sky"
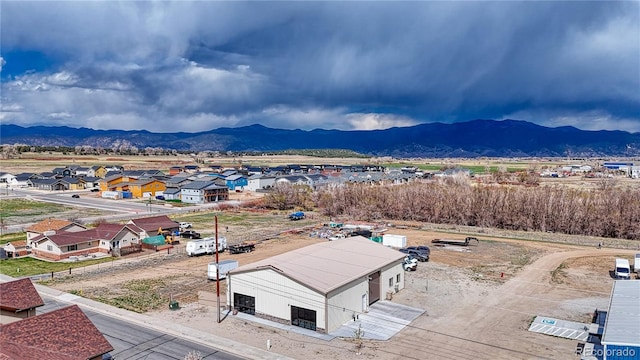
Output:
[[187, 66]]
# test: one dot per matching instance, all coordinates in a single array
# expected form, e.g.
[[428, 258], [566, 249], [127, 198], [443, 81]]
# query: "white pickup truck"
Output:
[[338, 236]]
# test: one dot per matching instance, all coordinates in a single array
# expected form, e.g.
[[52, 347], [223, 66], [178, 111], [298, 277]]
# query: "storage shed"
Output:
[[318, 287]]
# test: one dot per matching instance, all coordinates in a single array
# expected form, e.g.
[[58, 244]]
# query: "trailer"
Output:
[[223, 267], [396, 241], [459, 242], [205, 246], [241, 248]]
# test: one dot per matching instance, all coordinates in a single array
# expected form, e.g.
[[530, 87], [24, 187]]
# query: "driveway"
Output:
[[382, 322]]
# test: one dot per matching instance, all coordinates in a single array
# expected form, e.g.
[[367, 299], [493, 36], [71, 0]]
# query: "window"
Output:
[[390, 282], [89, 243], [398, 278], [49, 248], [73, 247]]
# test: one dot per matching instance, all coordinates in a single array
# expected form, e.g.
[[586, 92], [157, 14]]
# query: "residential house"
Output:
[[192, 169], [175, 170], [172, 193], [63, 172], [236, 182], [81, 171], [22, 180], [16, 249], [66, 333], [98, 171], [47, 184], [50, 227], [149, 226], [200, 192], [18, 300], [72, 183], [7, 179], [260, 182], [102, 239], [144, 188], [91, 182]]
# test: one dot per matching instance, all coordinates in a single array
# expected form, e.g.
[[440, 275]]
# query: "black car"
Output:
[[95, 190], [75, 196], [190, 234], [422, 249]]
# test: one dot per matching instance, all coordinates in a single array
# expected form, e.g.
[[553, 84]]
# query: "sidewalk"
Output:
[[171, 328]]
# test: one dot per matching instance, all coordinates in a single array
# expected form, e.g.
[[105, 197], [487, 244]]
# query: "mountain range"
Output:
[[476, 138]]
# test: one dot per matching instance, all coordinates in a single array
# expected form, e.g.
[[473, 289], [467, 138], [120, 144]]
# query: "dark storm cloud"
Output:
[[324, 64]]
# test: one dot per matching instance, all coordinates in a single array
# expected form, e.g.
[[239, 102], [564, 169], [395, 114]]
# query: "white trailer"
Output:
[[395, 241], [636, 264], [223, 267], [205, 246], [111, 195]]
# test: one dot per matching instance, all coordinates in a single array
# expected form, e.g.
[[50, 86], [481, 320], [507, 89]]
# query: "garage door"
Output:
[[304, 318], [244, 303]]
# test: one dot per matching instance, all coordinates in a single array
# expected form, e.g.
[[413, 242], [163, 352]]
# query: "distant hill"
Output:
[[476, 138]]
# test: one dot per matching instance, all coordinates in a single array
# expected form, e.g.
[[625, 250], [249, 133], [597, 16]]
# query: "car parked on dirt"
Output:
[[417, 254], [185, 225], [190, 234]]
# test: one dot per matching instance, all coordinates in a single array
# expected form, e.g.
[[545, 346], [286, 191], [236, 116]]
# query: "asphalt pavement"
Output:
[[139, 336]]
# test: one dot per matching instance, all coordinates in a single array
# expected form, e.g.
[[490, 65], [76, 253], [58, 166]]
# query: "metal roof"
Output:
[[623, 318], [329, 265]]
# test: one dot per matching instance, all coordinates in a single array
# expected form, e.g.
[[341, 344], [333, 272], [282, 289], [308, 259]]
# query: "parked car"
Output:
[[159, 197], [185, 225], [409, 266], [418, 255], [95, 190], [75, 196], [421, 249], [190, 234]]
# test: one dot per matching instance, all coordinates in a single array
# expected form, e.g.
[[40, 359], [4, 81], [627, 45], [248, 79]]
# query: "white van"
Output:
[[623, 271], [636, 264]]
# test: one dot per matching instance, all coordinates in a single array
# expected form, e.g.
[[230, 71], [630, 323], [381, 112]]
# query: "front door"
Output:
[[374, 287]]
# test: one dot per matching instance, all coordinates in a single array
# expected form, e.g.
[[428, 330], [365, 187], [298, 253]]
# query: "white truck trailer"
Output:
[[205, 246], [223, 267], [395, 241]]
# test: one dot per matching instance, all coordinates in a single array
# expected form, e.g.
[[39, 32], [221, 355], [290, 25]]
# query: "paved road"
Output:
[[139, 336], [132, 341], [122, 209]]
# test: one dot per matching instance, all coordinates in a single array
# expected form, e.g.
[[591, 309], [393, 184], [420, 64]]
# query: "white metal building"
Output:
[[621, 336], [319, 287]]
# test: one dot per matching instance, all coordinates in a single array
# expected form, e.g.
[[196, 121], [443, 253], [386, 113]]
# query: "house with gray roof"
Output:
[[201, 192]]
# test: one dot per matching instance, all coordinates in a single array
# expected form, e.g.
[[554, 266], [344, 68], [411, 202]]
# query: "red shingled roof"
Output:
[[155, 222], [102, 232], [65, 333], [19, 295], [49, 224]]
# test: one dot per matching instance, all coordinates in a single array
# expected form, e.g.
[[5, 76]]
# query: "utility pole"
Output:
[[217, 272]]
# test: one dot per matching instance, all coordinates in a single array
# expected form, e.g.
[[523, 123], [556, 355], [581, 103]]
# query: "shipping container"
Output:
[[396, 241]]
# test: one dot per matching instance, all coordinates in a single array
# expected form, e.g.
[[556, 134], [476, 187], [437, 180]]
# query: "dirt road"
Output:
[[493, 324]]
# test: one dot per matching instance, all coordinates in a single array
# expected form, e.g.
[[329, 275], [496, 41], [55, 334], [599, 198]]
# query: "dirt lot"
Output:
[[478, 303]]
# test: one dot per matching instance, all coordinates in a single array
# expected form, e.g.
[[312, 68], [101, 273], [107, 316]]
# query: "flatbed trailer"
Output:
[[459, 242], [241, 248]]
